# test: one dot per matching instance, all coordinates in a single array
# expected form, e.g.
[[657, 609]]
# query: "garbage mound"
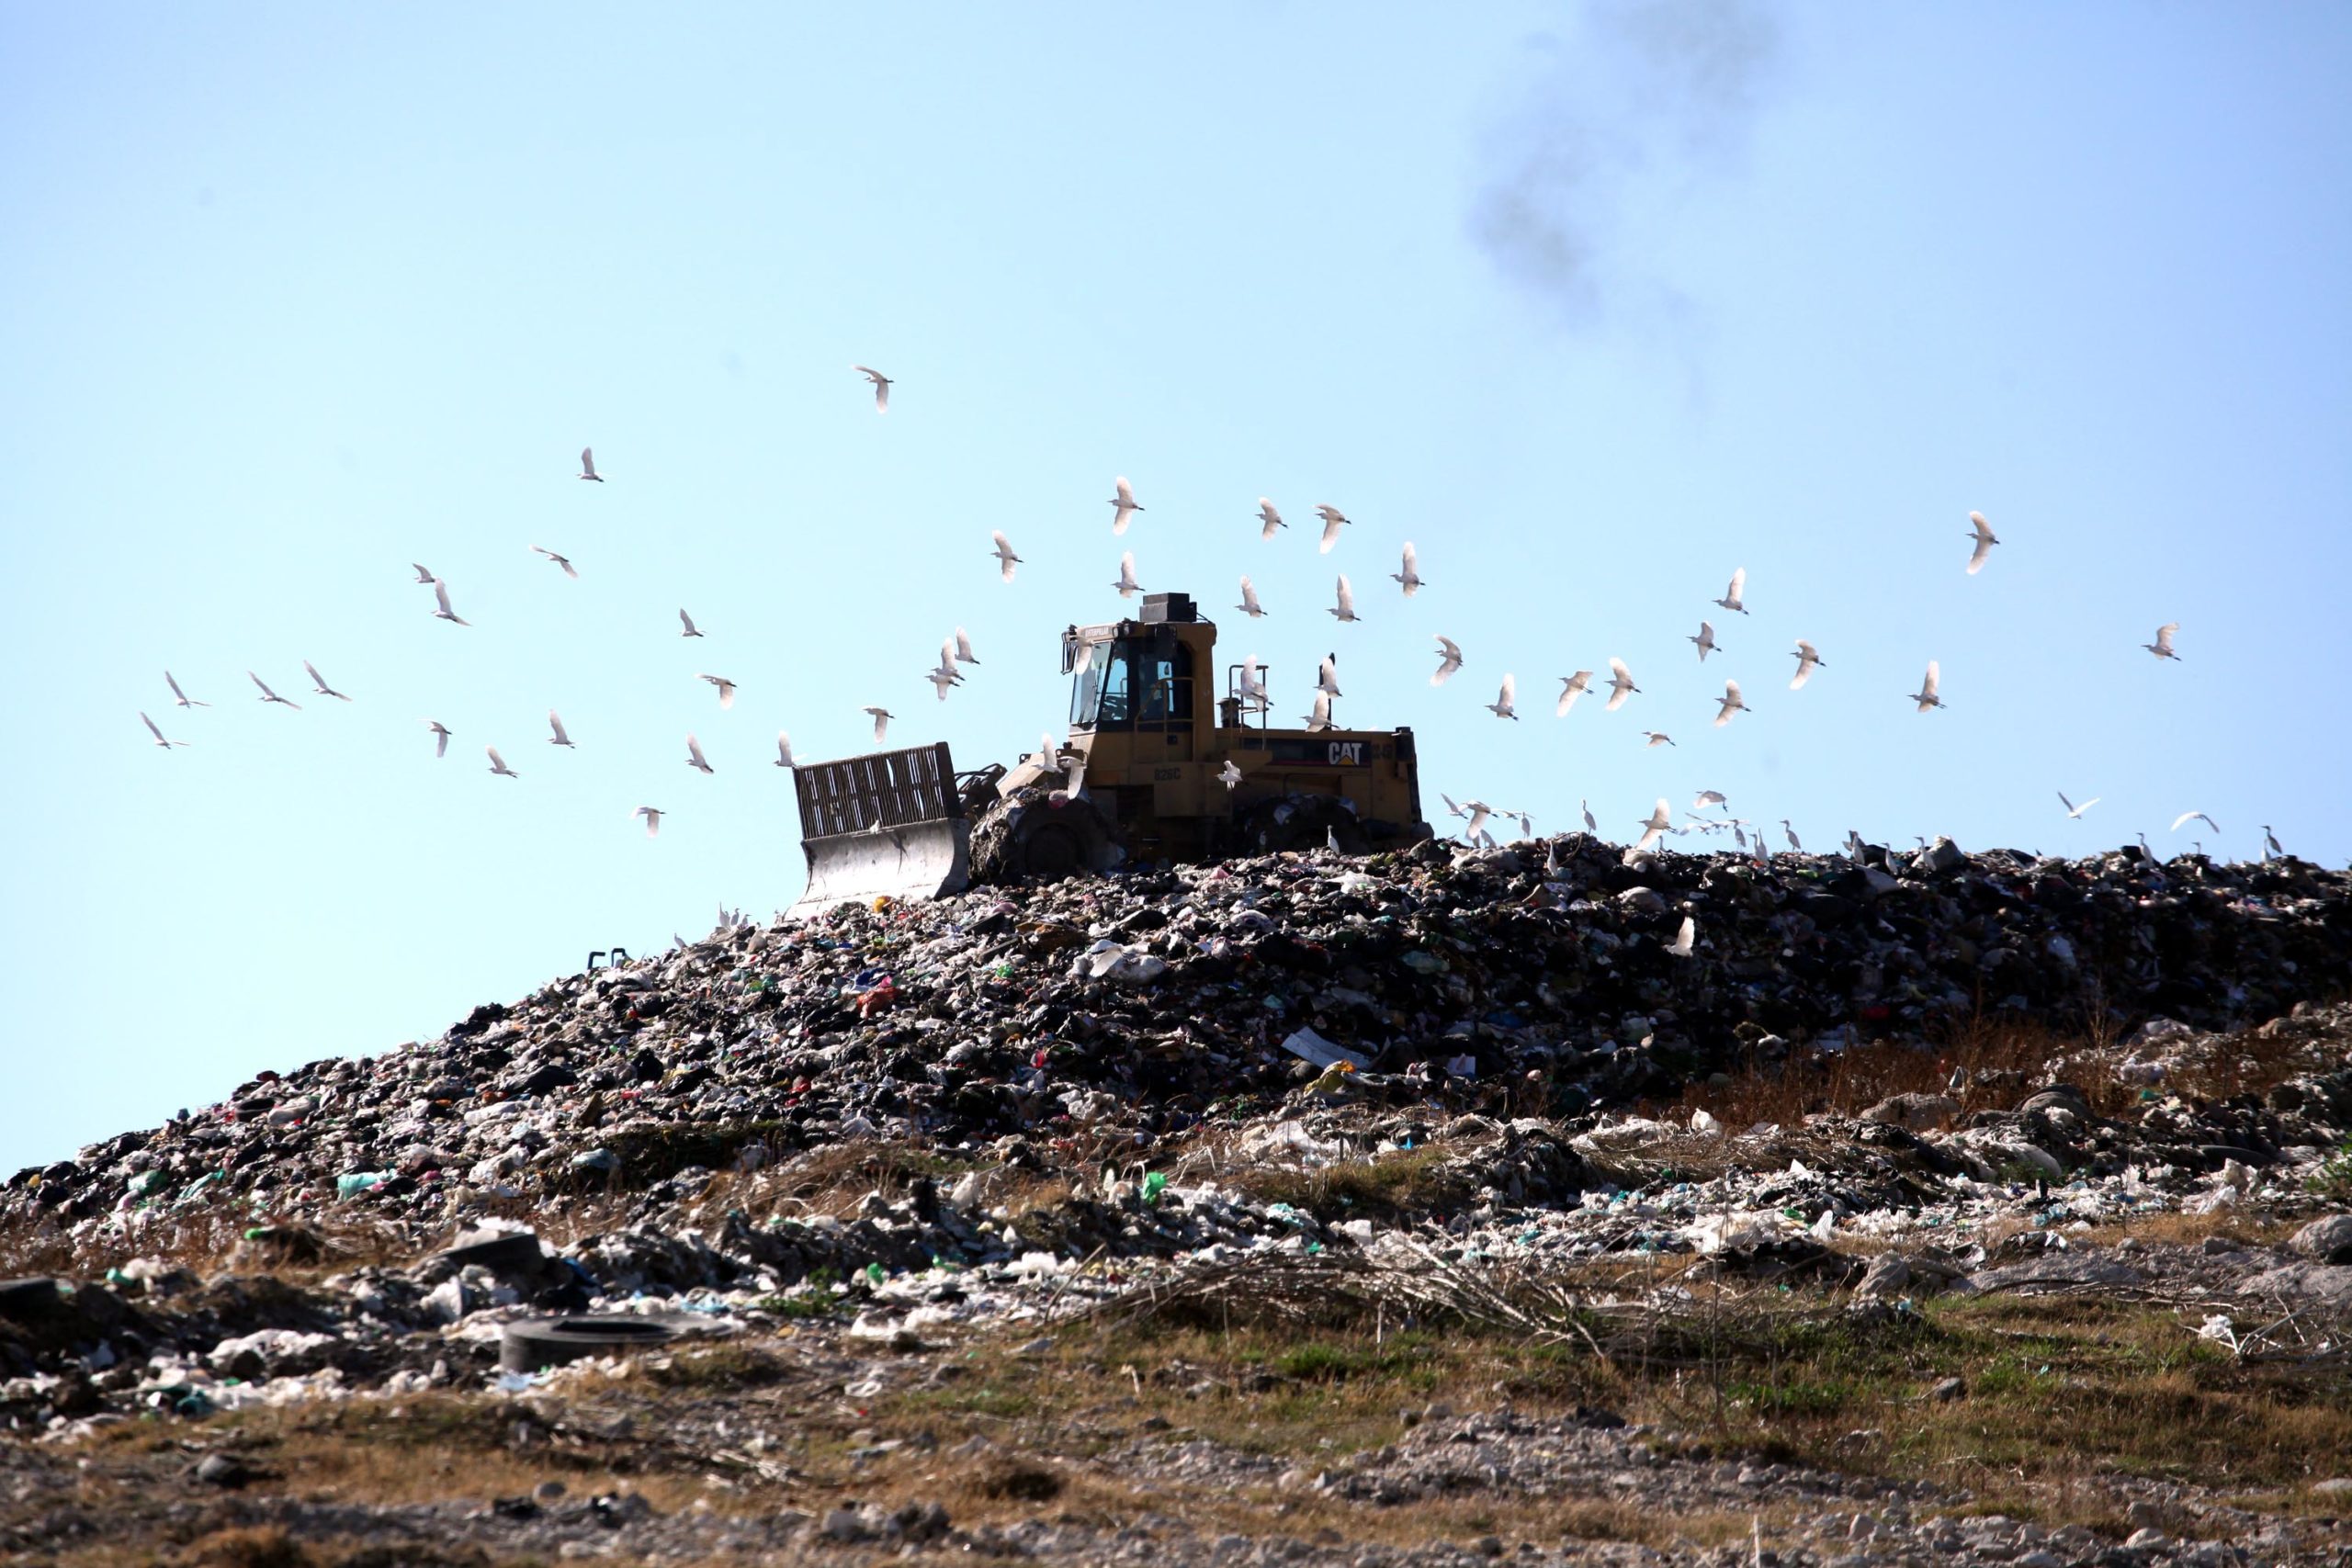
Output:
[[1104, 1017]]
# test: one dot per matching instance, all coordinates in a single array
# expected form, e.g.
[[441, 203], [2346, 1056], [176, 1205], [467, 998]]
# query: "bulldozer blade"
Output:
[[887, 824]]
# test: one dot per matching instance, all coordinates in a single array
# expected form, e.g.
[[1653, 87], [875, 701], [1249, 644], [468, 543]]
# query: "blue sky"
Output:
[[1594, 304]]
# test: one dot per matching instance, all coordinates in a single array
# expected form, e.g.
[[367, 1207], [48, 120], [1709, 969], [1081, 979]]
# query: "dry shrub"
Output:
[[259, 1546]]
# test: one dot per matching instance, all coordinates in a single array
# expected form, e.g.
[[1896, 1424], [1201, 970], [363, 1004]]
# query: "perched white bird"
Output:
[[1249, 605], [563, 561], [424, 574], [1591, 823], [1926, 696], [1731, 704], [559, 737], [1792, 833], [695, 759], [2188, 817], [881, 387], [1269, 519], [158, 734], [1681, 945], [1127, 585], [1327, 677], [180, 697], [783, 750], [1321, 717], [498, 764], [1707, 797], [726, 689], [1347, 606], [1253, 688], [440, 737], [2162, 647], [1411, 575], [588, 466], [1502, 706], [1333, 521], [1730, 600], [1705, 640], [441, 597], [1122, 505], [1571, 688], [269, 697], [963, 647], [882, 718], [1620, 685], [1449, 659], [1654, 827], [688, 622], [1982, 532], [1656, 739], [1229, 775], [652, 814], [319, 682], [1005, 560], [1807, 662], [2074, 812]]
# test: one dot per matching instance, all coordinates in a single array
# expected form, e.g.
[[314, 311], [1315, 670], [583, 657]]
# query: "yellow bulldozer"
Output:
[[1164, 762]]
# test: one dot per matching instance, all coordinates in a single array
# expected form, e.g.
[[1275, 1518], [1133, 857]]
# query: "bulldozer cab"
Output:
[[1142, 678]]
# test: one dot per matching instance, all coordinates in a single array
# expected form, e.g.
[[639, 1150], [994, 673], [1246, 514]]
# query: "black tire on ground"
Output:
[[528, 1344]]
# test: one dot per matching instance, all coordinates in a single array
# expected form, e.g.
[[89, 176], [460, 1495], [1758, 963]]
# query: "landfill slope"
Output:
[[1307, 1209]]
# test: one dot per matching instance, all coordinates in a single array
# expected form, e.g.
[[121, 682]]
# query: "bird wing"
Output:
[[497, 762], [1269, 516], [587, 460], [1976, 556], [1935, 676], [422, 574], [1984, 529], [1731, 693], [2065, 802], [726, 693], [441, 595], [557, 725], [1412, 572], [1510, 689], [1347, 595], [1003, 545], [175, 686], [1453, 650], [153, 730], [783, 747], [964, 646], [1248, 594], [316, 679], [1126, 492], [1331, 523], [2164, 641], [1738, 581], [1617, 668], [686, 621], [693, 752]]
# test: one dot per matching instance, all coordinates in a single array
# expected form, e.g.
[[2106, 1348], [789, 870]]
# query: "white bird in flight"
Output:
[[588, 465], [2162, 647], [1321, 717], [180, 697], [783, 749], [882, 718], [1005, 560], [158, 734], [1229, 775], [695, 759], [1656, 739], [1122, 505], [1502, 706], [1252, 689], [2194, 816], [1706, 799], [652, 814], [498, 764], [963, 647], [1127, 585], [1655, 826], [726, 689], [1731, 704], [559, 737], [269, 697], [440, 737], [424, 573], [1982, 532], [1705, 641], [1249, 605], [2074, 812], [1333, 521], [1807, 662], [1620, 685], [1346, 610], [688, 622], [1475, 814], [320, 683], [1449, 659], [564, 561], [1269, 519], [1681, 945], [1926, 696], [1731, 599], [441, 597], [1411, 574], [1571, 688], [1327, 678], [946, 671], [942, 681], [881, 387]]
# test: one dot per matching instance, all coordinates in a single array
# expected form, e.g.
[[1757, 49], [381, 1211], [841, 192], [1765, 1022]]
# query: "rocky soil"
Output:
[[1409, 1209]]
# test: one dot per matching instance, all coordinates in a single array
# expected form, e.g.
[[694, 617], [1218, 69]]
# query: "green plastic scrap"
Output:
[[873, 1273], [1155, 1182]]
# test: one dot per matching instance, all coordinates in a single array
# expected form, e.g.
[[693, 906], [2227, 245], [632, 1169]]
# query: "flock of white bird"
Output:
[[955, 651]]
